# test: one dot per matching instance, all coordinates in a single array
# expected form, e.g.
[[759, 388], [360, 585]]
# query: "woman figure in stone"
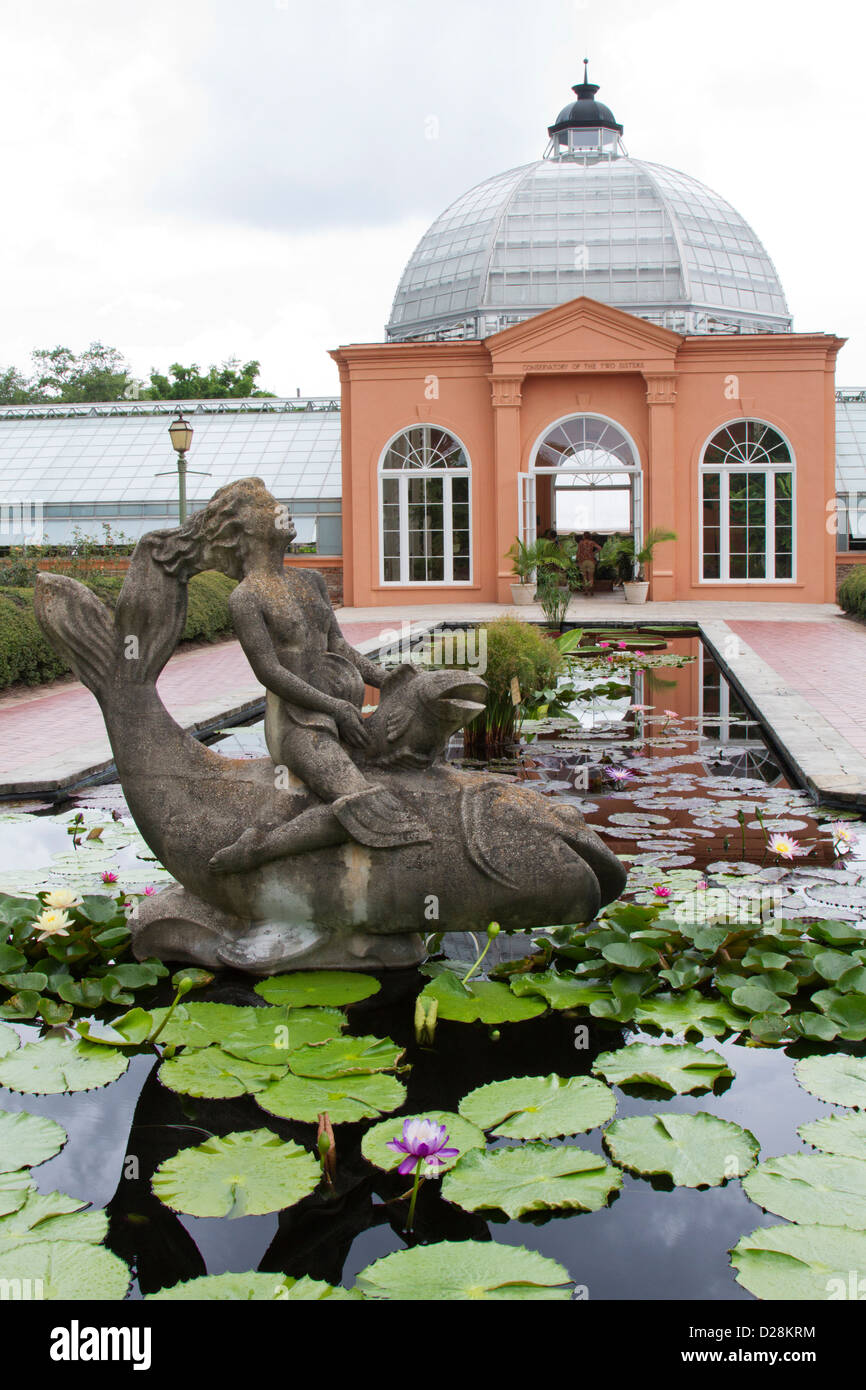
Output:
[[314, 679]]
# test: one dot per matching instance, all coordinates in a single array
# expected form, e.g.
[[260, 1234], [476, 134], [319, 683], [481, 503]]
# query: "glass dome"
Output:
[[588, 219]]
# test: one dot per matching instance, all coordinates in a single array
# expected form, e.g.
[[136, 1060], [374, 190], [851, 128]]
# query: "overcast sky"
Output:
[[198, 179]]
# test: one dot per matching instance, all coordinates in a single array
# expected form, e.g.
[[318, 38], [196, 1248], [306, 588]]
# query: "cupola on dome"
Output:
[[588, 219]]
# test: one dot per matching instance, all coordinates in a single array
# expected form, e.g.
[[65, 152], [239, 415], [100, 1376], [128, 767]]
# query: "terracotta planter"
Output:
[[522, 594], [636, 591]]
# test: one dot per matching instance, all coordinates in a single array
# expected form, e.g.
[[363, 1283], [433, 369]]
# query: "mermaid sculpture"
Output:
[[354, 836]]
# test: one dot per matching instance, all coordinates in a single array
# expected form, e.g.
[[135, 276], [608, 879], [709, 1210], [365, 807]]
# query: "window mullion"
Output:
[[447, 531], [404, 529]]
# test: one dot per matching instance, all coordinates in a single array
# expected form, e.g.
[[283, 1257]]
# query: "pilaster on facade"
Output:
[[660, 390], [506, 390]]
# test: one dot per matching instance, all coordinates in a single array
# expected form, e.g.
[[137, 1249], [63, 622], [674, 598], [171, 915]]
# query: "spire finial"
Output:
[[586, 69]]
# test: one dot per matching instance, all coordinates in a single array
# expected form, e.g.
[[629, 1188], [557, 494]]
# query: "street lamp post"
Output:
[[180, 432]]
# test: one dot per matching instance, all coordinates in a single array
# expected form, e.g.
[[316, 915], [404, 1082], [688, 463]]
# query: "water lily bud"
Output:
[[184, 986], [493, 930], [495, 1035]]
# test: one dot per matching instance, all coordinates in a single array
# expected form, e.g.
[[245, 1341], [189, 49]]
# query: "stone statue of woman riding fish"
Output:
[[330, 852]]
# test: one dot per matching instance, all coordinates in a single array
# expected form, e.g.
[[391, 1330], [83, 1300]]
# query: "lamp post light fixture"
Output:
[[180, 432]]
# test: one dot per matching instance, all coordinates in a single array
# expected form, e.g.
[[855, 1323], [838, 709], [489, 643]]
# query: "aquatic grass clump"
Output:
[[520, 661]]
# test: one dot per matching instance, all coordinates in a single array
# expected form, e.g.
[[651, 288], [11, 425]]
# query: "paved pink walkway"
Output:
[[61, 727], [824, 662]]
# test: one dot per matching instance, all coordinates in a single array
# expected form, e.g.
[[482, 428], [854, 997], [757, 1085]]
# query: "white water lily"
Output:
[[51, 922], [63, 898]]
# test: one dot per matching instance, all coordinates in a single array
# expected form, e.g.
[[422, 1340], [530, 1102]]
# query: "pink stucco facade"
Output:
[[667, 392]]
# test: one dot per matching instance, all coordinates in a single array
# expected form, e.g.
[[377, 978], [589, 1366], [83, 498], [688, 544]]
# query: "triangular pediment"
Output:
[[581, 333]]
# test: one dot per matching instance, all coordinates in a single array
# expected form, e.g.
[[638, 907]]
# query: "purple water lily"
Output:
[[423, 1141]]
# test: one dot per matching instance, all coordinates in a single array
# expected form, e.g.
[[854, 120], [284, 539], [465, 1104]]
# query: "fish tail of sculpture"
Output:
[[130, 646], [79, 627]]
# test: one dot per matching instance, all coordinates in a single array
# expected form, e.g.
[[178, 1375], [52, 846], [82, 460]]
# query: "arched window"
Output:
[[593, 477], [424, 508], [586, 442], [747, 504]]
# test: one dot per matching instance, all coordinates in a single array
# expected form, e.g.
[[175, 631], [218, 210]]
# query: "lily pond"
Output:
[[667, 1102]]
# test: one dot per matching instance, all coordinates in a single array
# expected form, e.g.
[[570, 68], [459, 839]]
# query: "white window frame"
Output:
[[402, 476], [634, 472], [724, 470]]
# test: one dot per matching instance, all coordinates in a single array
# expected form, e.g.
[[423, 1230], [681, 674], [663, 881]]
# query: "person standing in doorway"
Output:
[[587, 554]]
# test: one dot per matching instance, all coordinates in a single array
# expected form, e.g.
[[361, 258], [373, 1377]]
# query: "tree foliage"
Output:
[[99, 373]]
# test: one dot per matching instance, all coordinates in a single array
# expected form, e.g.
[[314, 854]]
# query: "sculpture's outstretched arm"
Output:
[[259, 650]]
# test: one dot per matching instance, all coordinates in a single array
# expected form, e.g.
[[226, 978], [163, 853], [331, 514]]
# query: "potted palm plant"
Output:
[[525, 560], [637, 588]]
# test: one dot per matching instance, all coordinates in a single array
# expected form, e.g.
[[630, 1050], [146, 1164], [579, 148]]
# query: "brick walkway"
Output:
[[51, 735], [825, 662]]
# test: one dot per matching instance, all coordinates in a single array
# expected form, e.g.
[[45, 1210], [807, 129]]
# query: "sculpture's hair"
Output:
[[217, 537]]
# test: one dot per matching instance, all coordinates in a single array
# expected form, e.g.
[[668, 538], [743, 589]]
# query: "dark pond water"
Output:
[[674, 819]]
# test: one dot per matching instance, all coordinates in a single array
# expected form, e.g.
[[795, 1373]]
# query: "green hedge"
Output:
[[852, 591], [27, 657]]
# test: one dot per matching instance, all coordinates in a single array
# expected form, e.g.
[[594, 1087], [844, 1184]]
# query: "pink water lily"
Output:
[[786, 847], [622, 645], [619, 774], [604, 644], [661, 890], [672, 714], [109, 877], [149, 891], [424, 1142]]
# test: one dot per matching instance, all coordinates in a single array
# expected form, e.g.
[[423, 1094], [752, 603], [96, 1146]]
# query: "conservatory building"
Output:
[[589, 343]]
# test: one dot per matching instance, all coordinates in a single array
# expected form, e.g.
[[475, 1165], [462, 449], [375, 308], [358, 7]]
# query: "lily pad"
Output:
[[461, 1135], [246, 1173], [27, 1140], [837, 1134], [346, 1098], [539, 1107], [677, 1067], [14, 1190], [346, 1057], [531, 1177], [486, 1001], [799, 1263], [53, 1065], [317, 987], [630, 955], [268, 1035], [696, 1150], [562, 991], [755, 998], [465, 1270], [52, 1216], [836, 1078], [251, 1286], [8, 1040], [211, 1073], [690, 1012], [818, 1189], [68, 1270]]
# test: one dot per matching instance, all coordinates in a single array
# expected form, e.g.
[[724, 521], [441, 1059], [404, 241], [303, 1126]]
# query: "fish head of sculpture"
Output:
[[420, 710]]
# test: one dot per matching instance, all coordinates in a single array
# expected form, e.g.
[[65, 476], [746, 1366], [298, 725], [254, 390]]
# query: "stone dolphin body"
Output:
[[497, 849]]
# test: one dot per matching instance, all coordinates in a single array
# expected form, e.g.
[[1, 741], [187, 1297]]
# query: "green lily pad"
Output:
[[818, 1189], [486, 1001], [346, 1057], [212, 1074], [696, 1150], [691, 1012], [132, 1029], [465, 1270], [755, 998], [251, 1286], [14, 1190], [531, 1177], [27, 1140], [52, 1216], [799, 1263], [832, 965], [815, 1026], [317, 987], [268, 1035], [562, 991], [9, 1040], [346, 1098], [52, 1065], [246, 1173], [539, 1107], [837, 1134], [461, 1135], [630, 955], [836, 1078], [67, 1270], [677, 1067]]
